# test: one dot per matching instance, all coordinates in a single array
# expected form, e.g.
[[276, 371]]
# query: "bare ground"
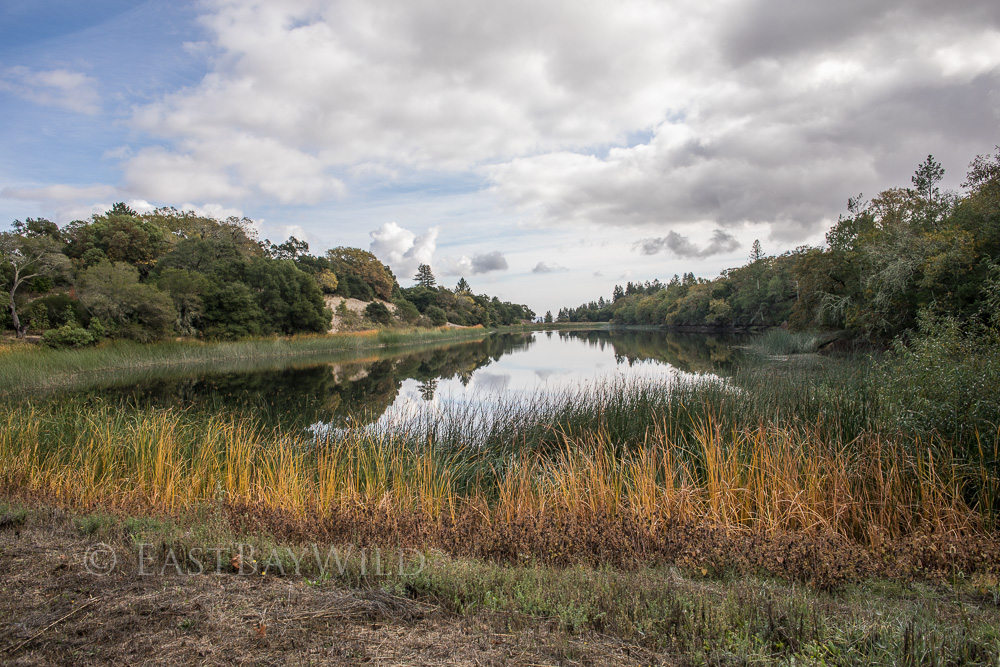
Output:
[[54, 611]]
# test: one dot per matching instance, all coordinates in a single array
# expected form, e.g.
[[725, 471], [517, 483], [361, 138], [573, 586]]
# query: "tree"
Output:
[[425, 277], [365, 267], [112, 291], [755, 251], [288, 297], [463, 287], [548, 317], [185, 289], [121, 208], [290, 249], [118, 236], [378, 313], [437, 316], [926, 178], [28, 258]]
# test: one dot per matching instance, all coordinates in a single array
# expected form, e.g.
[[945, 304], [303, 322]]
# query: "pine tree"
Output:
[[425, 277], [756, 253], [463, 287], [548, 317], [926, 178]]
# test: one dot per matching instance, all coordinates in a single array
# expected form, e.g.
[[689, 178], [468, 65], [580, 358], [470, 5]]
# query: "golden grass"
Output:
[[763, 479]]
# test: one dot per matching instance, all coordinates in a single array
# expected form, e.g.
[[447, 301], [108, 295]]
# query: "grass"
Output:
[[620, 473], [658, 613], [681, 518], [782, 342], [27, 368]]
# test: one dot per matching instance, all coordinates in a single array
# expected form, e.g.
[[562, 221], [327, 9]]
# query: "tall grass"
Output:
[[695, 453], [775, 342]]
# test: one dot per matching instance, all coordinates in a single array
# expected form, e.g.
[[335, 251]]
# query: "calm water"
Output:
[[485, 371]]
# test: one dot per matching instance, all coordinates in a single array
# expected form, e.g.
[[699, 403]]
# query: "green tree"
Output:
[[185, 289], [926, 178], [26, 258], [437, 316], [119, 236], [112, 292], [365, 267], [425, 277], [548, 317], [378, 313], [231, 312], [289, 299], [463, 287]]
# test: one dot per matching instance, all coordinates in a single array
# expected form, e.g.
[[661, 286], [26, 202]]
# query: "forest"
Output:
[[167, 273], [908, 257]]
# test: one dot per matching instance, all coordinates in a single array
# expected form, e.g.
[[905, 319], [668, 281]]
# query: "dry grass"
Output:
[[719, 491]]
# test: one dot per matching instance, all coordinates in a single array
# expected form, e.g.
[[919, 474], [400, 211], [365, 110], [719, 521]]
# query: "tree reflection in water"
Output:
[[363, 389]]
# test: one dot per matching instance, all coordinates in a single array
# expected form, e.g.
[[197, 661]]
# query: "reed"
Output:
[[568, 459]]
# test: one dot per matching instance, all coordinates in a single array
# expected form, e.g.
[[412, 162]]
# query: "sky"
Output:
[[545, 150]]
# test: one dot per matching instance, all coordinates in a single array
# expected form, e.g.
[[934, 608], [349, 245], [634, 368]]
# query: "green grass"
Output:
[[781, 342], [35, 368]]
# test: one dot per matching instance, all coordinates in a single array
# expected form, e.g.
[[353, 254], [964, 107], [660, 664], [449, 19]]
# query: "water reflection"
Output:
[[486, 370]]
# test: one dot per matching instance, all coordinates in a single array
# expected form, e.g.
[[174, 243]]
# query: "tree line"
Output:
[[906, 253], [167, 273]]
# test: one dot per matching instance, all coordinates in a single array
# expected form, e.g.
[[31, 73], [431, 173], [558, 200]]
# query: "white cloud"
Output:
[[762, 113], [402, 249], [542, 267], [54, 87]]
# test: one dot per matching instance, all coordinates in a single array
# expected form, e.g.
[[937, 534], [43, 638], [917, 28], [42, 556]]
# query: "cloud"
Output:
[[477, 264], [402, 249], [631, 114], [487, 262], [542, 267], [61, 193], [681, 246], [231, 169], [781, 110], [63, 88]]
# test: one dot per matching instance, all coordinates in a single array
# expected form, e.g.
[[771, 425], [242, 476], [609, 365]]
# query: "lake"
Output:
[[381, 385]]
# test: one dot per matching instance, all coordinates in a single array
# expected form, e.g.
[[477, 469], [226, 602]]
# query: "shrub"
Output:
[[945, 379], [69, 335], [406, 311], [378, 313], [437, 316]]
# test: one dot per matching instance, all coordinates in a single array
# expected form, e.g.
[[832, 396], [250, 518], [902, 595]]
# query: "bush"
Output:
[[945, 380], [96, 329], [69, 335], [406, 311], [378, 313], [437, 316]]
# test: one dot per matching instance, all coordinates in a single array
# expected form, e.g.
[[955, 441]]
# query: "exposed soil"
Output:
[[354, 305], [54, 611]]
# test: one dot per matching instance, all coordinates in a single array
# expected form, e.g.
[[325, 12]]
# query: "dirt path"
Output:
[[54, 611]]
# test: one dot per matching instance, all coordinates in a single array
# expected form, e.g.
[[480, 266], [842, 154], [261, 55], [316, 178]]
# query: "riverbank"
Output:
[[29, 367]]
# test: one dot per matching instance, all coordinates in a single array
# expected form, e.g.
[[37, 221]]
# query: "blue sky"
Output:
[[545, 151]]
